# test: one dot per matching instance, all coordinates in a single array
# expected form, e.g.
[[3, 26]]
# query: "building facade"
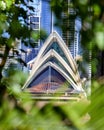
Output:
[[43, 18]]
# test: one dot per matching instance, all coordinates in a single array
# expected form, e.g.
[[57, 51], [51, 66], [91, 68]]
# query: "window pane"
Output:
[[34, 26], [34, 19]]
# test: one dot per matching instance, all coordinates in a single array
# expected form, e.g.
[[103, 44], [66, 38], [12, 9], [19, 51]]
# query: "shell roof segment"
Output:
[[65, 59]]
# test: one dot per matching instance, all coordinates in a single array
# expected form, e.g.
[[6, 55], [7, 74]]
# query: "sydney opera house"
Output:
[[52, 63], [54, 69]]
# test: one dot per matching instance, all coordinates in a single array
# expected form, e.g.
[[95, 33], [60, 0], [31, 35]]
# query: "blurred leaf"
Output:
[[2, 5], [97, 10], [9, 3], [100, 40], [77, 113], [96, 109]]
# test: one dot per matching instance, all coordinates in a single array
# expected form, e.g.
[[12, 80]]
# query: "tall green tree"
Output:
[[13, 25]]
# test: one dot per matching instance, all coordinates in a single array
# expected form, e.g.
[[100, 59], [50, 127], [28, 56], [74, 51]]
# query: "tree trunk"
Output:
[[3, 60]]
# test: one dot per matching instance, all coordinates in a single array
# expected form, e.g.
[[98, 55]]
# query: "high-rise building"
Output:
[[43, 18]]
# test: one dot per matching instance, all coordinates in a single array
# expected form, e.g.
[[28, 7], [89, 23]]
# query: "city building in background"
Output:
[[43, 18]]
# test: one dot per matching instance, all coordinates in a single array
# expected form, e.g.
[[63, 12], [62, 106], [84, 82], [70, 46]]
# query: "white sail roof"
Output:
[[69, 67]]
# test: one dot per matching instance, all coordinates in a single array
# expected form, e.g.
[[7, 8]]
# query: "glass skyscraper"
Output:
[[43, 18]]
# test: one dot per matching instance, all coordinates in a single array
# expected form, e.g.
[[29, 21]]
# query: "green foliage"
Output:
[[18, 111], [96, 109], [39, 35]]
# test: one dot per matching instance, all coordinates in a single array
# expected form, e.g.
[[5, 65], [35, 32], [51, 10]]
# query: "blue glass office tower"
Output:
[[43, 18]]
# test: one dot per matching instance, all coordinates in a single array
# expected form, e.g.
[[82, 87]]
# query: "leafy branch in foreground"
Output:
[[18, 110]]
